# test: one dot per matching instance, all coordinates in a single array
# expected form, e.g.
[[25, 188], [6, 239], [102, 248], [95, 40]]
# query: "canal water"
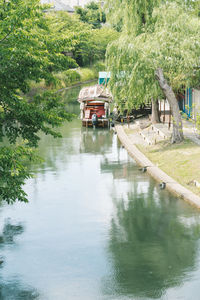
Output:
[[96, 228]]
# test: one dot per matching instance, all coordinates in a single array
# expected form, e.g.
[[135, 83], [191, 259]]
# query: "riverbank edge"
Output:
[[41, 87], [79, 83], [173, 186]]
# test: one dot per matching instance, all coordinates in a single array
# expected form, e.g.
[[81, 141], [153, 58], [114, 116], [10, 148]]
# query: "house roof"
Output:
[[58, 5], [95, 92]]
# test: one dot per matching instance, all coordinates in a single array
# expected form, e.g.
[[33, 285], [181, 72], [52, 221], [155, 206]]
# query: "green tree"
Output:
[[64, 26], [86, 43], [28, 52], [98, 42], [155, 56], [92, 14]]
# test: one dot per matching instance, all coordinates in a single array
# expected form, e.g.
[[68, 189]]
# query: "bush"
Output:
[[72, 76], [67, 78], [87, 74], [99, 66]]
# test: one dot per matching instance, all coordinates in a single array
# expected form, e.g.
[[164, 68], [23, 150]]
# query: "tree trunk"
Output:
[[155, 116], [177, 134]]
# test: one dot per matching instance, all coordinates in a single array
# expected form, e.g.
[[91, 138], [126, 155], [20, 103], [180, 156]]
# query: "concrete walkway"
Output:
[[152, 134], [153, 170], [190, 132]]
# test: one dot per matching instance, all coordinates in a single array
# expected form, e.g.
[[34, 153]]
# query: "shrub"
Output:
[[87, 74], [99, 66], [72, 76]]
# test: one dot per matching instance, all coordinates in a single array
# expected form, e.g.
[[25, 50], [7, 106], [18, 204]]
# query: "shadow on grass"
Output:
[[164, 146]]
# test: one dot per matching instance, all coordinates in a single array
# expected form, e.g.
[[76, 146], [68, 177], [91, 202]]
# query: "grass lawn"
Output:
[[180, 161]]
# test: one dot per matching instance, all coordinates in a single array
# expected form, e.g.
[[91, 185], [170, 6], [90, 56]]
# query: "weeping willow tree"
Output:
[[156, 54]]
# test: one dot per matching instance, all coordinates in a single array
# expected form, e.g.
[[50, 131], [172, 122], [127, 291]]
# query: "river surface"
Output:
[[96, 228]]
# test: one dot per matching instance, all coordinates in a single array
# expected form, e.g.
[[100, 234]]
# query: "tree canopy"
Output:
[[28, 51], [34, 46], [162, 35], [88, 44], [171, 42], [92, 14]]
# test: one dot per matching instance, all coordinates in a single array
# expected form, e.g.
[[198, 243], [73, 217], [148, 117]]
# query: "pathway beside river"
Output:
[[131, 141]]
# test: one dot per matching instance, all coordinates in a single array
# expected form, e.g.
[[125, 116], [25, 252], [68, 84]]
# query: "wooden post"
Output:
[[160, 108], [128, 120], [169, 125], [164, 113]]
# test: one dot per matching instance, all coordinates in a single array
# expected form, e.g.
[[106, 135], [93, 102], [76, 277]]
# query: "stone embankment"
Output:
[[170, 184]]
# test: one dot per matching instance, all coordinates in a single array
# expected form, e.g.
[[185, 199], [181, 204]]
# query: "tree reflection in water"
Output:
[[13, 289], [151, 246], [9, 232], [97, 141]]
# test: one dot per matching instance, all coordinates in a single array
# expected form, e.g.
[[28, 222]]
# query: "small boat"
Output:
[[95, 105]]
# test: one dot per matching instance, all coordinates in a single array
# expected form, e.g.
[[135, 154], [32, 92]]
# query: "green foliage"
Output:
[[13, 172], [93, 49], [169, 39], [99, 66], [85, 43], [29, 51], [87, 74], [71, 76], [33, 48], [97, 44], [91, 14], [133, 16], [67, 78], [69, 28]]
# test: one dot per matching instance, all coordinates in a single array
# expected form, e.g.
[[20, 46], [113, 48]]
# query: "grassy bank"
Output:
[[180, 161], [71, 77], [68, 78]]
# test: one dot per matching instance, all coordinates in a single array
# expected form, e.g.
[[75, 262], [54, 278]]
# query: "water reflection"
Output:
[[119, 170], [96, 141], [13, 288], [150, 246], [72, 129], [9, 232], [70, 97], [97, 228], [57, 152]]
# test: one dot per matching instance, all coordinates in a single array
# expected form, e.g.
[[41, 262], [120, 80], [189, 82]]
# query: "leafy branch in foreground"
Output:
[[14, 171], [28, 51]]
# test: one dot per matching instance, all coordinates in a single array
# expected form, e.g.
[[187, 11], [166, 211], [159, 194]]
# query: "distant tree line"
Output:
[[92, 14]]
